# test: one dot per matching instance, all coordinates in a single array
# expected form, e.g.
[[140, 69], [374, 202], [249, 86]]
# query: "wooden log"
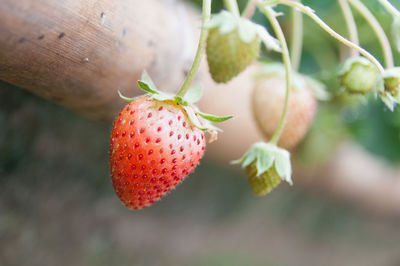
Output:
[[79, 53]]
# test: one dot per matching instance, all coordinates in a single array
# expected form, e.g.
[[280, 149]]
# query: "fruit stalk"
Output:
[[270, 14], [380, 33], [390, 8], [250, 8], [206, 9], [232, 6], [309, 12], [297, 38], [351, 24]]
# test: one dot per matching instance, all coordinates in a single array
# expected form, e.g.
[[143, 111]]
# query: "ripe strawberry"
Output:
[[233, 43], [156, 141], [268, 99], [154, 146]]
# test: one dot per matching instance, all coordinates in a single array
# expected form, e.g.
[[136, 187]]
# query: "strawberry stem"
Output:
[[250, 8], [232, 6], [297, 38], [206, 13], [271, 15], [390, 8], [351, 24], [309, 12], [380, 33]]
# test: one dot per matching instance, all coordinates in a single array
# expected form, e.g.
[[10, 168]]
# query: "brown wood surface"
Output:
[[78, 53]]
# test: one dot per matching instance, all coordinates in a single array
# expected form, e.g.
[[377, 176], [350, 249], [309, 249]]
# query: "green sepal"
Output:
[[247, 30], [266, 156], [200, 120], [146, 79], [203, 125], [194, 94], [214, 118], [388, 87], [388, 100], [147, 85], [299, 81], [144, 86], [128, 99], [348, 64], [227, 22], [264, 162]]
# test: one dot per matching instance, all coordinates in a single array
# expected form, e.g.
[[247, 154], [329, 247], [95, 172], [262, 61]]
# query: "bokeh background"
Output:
[[58, 207]]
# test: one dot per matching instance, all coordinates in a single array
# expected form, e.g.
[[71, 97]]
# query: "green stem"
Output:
[[309, 12], [270, 14], [232, 6], [351, 24], [380, 33], [390, 8], [200, 49], [250, 8], [297, 38]]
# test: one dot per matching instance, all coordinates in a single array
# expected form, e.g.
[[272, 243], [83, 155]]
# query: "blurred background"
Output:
[[58, 207]]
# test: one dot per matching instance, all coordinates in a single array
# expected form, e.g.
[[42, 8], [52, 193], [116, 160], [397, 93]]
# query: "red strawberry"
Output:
[[154, 146]]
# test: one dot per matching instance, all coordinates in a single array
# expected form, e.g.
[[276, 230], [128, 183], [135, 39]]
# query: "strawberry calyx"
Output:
[[388, 87], [226, 22], [199, 119], [267, 157], [299, 81]]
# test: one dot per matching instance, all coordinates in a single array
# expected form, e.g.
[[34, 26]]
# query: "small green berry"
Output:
[[358, 76]]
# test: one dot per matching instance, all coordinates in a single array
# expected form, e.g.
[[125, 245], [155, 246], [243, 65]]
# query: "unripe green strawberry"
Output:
[[266, 166], [358, 76], [233, 43], [263, 184], [268, 99], [227, 55]]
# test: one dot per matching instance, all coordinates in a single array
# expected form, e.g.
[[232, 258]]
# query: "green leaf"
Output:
[[146, 87], [126, 98], [194, 94], [214, 118]]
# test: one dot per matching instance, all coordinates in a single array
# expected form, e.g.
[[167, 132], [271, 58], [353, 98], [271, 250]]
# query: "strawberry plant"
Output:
[[158, 139]]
